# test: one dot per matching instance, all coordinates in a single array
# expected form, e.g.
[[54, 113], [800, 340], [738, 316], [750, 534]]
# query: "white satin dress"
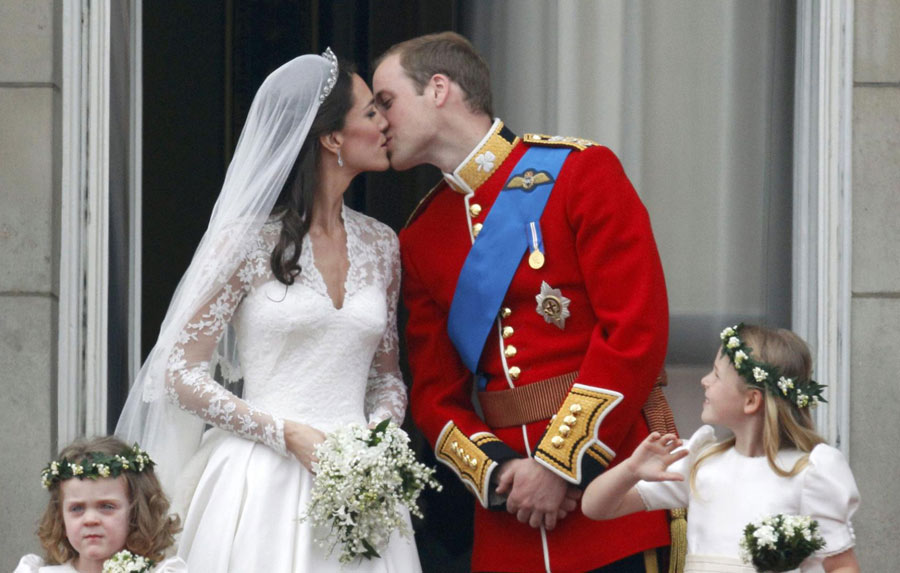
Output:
[[732, 490], [301, 359]]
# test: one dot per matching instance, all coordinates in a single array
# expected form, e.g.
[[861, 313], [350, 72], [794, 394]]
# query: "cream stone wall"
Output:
[[875, 310], [29, 263]]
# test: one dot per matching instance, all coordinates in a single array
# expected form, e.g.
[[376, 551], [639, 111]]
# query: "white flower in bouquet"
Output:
[[127, 562], [364, 478], [780, 542]]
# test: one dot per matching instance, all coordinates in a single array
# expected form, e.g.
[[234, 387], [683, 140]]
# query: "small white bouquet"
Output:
[[363, 477], [780, 542], [127, 562]]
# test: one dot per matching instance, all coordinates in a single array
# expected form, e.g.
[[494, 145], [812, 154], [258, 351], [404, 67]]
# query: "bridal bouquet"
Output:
[[127, 562], [780, 542], [363, 477]]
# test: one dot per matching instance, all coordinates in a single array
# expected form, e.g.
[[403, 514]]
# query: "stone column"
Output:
[[29, 264], [875, 331]]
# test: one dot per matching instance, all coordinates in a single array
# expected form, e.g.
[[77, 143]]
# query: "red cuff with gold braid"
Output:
[[473, 458], [570, 447]]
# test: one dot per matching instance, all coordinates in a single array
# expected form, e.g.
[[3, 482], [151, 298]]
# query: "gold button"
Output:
[[570, 420], [475, 209], [473, 463], [564, 430], [557, 441], [575, 408], [510, 351], [507, 331], [514, 372], [476, 228], [505, 312]]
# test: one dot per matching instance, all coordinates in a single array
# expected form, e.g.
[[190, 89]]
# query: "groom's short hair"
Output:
[[450, 54]]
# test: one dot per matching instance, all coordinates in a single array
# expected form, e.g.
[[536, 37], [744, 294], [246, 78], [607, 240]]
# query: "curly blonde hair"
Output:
[[151, 529], [784, 424]]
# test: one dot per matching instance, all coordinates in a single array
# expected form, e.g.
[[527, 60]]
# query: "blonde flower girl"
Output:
[[760, 389]]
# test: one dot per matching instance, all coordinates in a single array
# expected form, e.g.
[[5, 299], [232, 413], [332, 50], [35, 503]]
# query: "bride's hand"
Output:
[[301, 440]]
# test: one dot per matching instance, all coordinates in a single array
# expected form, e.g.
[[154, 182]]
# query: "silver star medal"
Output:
[[552, 305]]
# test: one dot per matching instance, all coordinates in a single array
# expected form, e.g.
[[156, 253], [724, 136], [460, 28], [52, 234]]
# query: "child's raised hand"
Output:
[[656, 453]]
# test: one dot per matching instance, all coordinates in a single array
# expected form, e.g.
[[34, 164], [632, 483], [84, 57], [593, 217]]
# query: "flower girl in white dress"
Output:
[[760, 389], [303, 290], [104, 499]]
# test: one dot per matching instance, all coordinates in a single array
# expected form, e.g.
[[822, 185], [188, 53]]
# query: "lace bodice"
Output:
[[301, 358]]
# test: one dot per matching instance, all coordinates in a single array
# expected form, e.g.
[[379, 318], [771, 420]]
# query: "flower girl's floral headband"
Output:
[[97, 465], [803, 393]]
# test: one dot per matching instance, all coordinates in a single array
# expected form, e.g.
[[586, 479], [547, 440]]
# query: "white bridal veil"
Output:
[[276, 128]]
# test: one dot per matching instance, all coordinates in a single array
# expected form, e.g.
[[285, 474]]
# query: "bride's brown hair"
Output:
[[295, 203], [151, 530]]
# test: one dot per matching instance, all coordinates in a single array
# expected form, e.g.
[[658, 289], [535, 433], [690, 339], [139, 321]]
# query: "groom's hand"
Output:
[[536, 495]]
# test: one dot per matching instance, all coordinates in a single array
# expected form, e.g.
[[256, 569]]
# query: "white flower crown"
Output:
[[803, 393], [97, 465]]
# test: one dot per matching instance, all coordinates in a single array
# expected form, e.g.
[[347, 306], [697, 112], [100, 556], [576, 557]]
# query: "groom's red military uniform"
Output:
[[593, 311]]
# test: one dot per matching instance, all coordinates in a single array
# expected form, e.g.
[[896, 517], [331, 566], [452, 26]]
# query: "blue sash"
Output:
[[497, 252]]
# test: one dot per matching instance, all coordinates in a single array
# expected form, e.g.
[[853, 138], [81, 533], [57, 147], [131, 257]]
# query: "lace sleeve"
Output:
[[189, 383], [385, 391]]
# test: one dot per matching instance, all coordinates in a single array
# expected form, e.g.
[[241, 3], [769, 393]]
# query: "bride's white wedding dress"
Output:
[[301, 359]]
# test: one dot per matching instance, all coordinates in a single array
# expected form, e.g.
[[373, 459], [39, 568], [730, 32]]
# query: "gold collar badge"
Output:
[[552, 305], [484, 160]]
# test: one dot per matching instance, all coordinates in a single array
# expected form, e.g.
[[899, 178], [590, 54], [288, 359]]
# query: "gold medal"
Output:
[[536, 259]]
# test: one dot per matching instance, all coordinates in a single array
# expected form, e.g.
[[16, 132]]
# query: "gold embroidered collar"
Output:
[[487, 157]]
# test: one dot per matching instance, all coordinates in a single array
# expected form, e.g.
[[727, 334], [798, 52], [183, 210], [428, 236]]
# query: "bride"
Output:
[[296, 294]]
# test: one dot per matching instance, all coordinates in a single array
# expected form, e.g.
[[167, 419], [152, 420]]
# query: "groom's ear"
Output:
[[440, 89], [332, 141]]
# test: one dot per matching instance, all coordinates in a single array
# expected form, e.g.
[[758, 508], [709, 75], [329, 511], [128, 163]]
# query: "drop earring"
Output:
[[340, 160]]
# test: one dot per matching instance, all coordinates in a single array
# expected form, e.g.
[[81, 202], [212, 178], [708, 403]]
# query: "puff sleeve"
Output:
[[171, 565], [830, 496], [30, 563]]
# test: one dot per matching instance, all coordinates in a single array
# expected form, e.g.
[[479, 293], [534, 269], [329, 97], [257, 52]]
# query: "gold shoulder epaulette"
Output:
[[423, 203], [558, 141]]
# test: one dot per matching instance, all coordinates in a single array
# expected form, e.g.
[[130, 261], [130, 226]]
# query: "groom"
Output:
[[530, 272]]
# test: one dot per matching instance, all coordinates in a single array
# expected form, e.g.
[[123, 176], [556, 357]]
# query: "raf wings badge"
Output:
[[528, 179], [552, 305]]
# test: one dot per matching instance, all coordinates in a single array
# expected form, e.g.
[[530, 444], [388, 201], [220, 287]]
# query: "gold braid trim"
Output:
[[464, 457], [577, 143], [573, 432]]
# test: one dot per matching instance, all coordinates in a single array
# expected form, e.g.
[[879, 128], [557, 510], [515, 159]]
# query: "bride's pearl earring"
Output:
[[340, 160]]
